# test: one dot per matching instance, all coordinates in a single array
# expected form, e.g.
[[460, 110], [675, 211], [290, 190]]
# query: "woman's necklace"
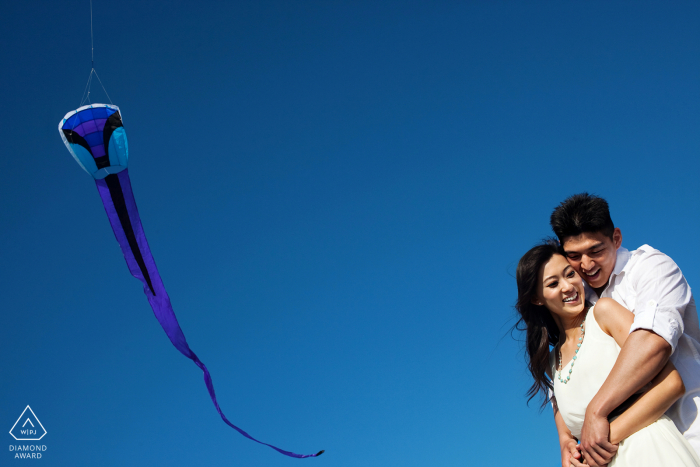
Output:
[[573, 361]]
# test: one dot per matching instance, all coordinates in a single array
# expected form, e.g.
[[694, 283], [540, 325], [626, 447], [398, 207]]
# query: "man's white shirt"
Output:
[[652, 286]]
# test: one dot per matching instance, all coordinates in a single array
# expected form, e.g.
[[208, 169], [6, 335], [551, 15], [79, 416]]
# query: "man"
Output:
[[649, 284]]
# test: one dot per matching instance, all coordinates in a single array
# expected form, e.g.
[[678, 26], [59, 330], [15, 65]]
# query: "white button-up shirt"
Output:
[[650, 285]]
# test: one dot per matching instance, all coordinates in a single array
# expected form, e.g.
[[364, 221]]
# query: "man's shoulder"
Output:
[[647, 257], [645, 250]]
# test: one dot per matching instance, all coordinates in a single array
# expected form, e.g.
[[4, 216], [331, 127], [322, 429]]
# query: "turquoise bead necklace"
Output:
[[573, 361]]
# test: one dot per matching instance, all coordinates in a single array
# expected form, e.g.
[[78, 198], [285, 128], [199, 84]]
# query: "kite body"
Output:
[[95, 136]]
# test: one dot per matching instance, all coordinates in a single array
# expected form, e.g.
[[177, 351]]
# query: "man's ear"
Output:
[[617, 238]]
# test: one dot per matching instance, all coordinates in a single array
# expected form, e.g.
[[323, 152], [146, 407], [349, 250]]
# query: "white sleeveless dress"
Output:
[[659, 444]]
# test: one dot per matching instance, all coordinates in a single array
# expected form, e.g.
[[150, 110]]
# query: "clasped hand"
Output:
[[596, 448]]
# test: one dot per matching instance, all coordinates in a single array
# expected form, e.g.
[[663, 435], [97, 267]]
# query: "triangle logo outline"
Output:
[[30, 422]]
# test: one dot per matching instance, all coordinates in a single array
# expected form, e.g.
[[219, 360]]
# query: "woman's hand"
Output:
[[570, 453], [577, 461]]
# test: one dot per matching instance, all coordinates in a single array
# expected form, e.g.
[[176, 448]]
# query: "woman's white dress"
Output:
[[659, 444]]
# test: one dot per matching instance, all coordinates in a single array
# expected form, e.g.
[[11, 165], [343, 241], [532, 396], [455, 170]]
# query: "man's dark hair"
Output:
[[581, 213]]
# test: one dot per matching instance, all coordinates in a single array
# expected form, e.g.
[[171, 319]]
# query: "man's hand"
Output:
[[595, 446], [570, 453]]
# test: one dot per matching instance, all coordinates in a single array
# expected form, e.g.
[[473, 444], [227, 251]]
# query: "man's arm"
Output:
[[643, 355], [641, 359], [662, 297]]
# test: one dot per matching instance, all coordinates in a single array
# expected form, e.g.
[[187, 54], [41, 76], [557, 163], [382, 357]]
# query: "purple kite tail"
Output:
[[118, 200]]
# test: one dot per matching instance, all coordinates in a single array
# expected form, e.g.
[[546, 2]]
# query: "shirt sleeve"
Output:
[[662, 297]]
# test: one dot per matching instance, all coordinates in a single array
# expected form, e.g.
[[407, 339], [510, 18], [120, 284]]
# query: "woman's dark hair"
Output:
[[581, 213], [540, 329]]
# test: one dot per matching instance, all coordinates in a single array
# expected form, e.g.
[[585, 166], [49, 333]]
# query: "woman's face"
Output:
[[560, 288]]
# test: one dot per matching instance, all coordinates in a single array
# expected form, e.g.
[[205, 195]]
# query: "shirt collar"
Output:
[[623, 257]]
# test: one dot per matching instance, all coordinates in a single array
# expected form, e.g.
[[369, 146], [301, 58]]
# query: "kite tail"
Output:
[[118, 200]]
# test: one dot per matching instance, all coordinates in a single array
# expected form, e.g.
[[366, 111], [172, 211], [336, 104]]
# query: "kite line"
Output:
[[86, 93]]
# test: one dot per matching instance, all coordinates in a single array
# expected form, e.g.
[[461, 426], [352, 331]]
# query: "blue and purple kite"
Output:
[[95, 137]]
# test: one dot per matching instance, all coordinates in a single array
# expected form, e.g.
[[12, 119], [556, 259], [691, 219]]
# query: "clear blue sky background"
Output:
[[336, 194]]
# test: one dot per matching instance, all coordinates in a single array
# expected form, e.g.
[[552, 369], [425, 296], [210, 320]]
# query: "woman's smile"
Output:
[[572, 299], [560, 288]]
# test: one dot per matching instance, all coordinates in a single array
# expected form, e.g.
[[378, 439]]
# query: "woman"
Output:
[[586, 341]]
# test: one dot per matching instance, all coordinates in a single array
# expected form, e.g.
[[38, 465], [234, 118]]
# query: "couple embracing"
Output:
[[612, 340]]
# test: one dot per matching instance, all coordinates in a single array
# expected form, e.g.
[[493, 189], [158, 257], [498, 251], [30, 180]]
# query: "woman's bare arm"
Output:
[[567, 443], [666, 388]]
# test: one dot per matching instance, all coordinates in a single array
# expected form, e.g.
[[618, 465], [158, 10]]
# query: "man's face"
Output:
[[593, 256]]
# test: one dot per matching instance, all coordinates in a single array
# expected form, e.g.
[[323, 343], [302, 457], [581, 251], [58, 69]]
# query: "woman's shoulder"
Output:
[[614, 319], [604, 306], [604, 311]]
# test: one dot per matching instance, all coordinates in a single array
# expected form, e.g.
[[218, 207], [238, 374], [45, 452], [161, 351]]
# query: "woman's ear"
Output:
[[536, 301]]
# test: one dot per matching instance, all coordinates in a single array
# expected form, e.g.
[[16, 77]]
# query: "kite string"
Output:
[[92, 42], [103, 86], [86, 93]]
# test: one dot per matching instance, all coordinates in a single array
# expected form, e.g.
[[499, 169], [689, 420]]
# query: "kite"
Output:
[[96, 139]]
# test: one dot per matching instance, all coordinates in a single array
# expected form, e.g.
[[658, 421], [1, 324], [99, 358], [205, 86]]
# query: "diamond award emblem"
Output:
[[28, 427]]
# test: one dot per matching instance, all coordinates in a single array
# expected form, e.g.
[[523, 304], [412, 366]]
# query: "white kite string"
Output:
[[103, 86], [86, 92], [92, 42]]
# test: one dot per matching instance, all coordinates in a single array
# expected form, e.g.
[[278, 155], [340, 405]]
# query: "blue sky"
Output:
[[336, 195]]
